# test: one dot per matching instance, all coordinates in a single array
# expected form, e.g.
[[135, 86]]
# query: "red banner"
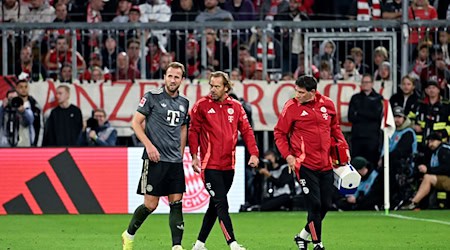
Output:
[[120, 99]]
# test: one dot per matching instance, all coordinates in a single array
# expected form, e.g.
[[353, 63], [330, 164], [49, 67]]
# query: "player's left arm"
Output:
[[183, 138], [249, 137], [335, 127]]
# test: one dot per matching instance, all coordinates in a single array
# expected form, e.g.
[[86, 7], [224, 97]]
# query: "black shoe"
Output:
[[409, 205], [302, 244], [319, 248]]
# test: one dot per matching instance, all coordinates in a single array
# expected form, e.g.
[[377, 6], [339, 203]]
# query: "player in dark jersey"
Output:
[[165, 114]]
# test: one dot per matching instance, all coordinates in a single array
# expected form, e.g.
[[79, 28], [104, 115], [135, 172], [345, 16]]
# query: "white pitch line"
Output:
[[419, 219]]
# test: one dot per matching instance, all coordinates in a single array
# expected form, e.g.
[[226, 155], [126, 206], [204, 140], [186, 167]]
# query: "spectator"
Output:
[[134, 17], [326, 53], [98, 131], [358, 56], [270, 8], [61, 17], [380, 56], [213, 13], [365, 112], [164, 61], [243, 54], [192, 59], [300, 71], [437, 70], [249, 68], [288, 76], [365, 10], [28, 68], [216, 51], [420, 10], [259, 73], [325, 71], [349, 72], [16, 122], [93, 14], [124, 70], [39, 12], [421, 61], [384, 73], [432, 115], [369, 194], [444, 38], [12, 11], [274, 53], [402, 148], [133, 52], [242, 10], [65, 122], [236, 75], [123, 8], [407, 98], [279, 184], [60, 55], [437, 171], [154, 56], [96, 68], [291, 39], [22, 88], [109, 54], [65, 73], [185, 11], [156, 11], [392, 9]]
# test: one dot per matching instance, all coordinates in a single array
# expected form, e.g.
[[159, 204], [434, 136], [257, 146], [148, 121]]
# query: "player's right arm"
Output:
[[145, 107], [152, 152], [281, 135]]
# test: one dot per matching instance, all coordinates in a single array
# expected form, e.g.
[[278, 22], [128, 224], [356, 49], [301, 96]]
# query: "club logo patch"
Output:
[[230, 111], [323, 109], [182, 109], [149, 188], [305, 190]]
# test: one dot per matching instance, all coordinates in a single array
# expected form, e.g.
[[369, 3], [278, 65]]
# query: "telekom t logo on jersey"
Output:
[[173, 117]]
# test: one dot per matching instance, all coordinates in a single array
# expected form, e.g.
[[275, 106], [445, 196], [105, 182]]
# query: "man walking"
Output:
[[303, 136], [215, 122], [165, 113]]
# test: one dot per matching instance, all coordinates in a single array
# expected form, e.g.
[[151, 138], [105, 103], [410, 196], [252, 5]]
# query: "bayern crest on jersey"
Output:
[[230, 111], [323, 109]]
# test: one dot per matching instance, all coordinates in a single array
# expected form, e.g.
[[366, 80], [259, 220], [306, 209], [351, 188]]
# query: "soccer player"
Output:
[[215, 122], [165, 114], [303, 136]]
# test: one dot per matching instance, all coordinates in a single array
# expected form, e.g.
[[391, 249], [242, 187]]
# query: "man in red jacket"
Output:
[[303, 136], [215, 122]]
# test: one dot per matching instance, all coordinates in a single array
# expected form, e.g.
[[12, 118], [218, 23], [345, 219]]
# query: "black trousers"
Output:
[[217, 183], [317, 190]]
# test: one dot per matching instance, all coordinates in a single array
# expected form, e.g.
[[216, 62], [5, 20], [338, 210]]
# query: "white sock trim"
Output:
[[199, 244], [129, 236], [304, 234]]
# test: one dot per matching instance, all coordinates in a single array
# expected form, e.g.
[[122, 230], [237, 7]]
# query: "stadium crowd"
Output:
[[421, 106]]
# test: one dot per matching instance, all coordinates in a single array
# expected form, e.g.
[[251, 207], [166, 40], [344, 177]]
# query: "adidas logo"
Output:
[[304, 113], [181, 227], [211, 111]]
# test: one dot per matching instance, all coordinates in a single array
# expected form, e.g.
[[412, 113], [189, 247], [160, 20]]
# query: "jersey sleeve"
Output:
[[196, 120], [246, 131], [282, 129], [336, 131], [146, 104]]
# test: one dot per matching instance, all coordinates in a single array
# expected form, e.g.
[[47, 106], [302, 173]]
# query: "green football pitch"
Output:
[[342, 230]]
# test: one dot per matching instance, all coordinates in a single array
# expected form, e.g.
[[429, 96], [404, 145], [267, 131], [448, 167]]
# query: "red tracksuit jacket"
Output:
[[305, 131], [214, 127]]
